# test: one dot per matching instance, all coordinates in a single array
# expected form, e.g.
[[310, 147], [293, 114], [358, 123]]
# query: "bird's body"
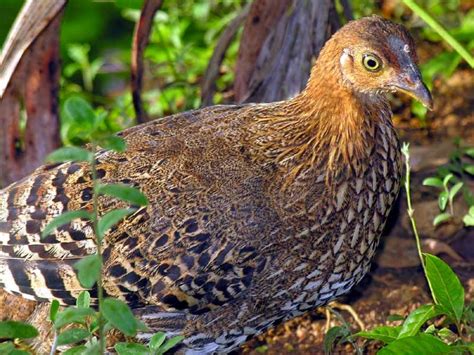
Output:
[[256, 212]]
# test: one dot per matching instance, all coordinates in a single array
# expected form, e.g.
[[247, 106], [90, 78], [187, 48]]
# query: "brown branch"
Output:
[[208, 86], [140, 40]]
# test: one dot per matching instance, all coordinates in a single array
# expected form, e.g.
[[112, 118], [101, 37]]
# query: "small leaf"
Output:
[[156, 340], [83, 300], [17, 330], [72, 315], [77, 350], [80, 111], [417, 318], [114, 143], [447, 179], [63, 219], [443, 200], [53, 310], [470, 152], [72, 336], [443, 217], [447, 335], [130, 349], [385, 334], [433, 181], [471, 210], [469, 169], [468, 220], [88, 270], [120, 316], [332, 335], [171, 343], [421, 344], [124, 192], [69, 154], [445, 285], [111, 219], [395, 317], [454, 190]]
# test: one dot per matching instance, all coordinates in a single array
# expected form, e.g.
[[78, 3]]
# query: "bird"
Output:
[[257, 212]]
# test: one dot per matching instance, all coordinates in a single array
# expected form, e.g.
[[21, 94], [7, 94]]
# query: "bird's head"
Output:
[[377, 56]]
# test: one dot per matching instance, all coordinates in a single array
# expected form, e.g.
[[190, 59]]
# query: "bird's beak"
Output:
[[411, 83]]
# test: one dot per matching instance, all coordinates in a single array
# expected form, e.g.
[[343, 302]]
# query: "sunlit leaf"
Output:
[[442, 200], [77, 350], [84, 300], [420, 344], [171, 343], [72, 336], [88, 270], [385, 334], [454, 190], [157, 340], [130, 349], [443, 217], [120, 316], [17, 330], [53, 310], [417, 318], [468, 220], [469, 169], [63, 219], [447, 179], [69, 154], [124, 192], [433, 181]]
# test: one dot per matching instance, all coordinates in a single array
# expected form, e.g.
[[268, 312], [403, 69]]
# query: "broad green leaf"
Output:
[[77, 350], [72, 336], [124, 192], [111, 219], [443, 200], [114, 143], [157, 340], [72, 315], [470, 152], [445, 285], [16, 330], [63, 219], [53, 310], [447, 179], [7, 347], [69, 154], [433, 181], [421, 344], [80, 111], [443, 217], [171, 343], [84, 300], [120, 316], [385, 334], [417, 318], [469, 169], [469, 219], [454, 190], [131, 349], [88, 270], [331, 337]]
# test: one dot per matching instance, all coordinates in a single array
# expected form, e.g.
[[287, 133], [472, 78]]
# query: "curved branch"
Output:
[[140, 41]]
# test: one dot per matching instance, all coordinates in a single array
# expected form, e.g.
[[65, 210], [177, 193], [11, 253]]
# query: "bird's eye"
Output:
[[371, 62]]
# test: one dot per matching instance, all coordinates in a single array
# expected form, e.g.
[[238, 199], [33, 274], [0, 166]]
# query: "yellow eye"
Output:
[[371, 62]]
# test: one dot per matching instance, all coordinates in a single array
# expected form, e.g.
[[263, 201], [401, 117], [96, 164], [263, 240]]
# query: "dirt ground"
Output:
[[396, 284]]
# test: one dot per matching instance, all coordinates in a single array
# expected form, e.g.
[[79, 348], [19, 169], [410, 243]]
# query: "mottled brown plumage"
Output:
[[257, 212]]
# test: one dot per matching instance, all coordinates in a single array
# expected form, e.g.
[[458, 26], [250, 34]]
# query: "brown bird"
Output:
[[257, 212]]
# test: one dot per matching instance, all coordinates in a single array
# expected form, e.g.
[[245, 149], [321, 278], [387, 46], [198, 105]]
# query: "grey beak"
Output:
[[411, 83]]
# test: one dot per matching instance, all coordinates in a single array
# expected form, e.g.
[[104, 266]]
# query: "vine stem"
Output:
[[95, 222]]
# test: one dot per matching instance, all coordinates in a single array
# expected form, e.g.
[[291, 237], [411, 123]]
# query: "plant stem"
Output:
[[55, 343], [441, 31], [95, 221]]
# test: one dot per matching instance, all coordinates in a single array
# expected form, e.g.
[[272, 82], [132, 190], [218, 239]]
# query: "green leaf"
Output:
[[421, 344], [445, 285], [77, 350], [80, 111], [395, 317], [447, 179], [83, 300], [331, 337], [433, 181], [157, 340], [53, 310], [417, 318], [470, 152], [120, 316], [69, 154], [468, 220], [131, 349], [72, 315], [443, 217], [63, 219], [88, 270], [16, 330], [72, 336], [7, 348], [124, 192], [443, 200], [171, 343], [454, 190], [114, 143], [111, 219], [385, 334], [469, 169]]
